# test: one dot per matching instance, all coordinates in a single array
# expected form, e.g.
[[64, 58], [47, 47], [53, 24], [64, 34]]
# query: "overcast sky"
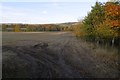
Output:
[[44, 11]]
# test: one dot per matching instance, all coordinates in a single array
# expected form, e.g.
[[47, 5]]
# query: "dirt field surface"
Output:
[[50, 55]]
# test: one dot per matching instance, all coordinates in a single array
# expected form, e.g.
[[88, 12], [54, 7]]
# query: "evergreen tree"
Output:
[[94, 18]]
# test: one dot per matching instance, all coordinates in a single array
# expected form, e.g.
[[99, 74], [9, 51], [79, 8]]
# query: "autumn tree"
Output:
[[102, 23], [17, 28], [112, 15]]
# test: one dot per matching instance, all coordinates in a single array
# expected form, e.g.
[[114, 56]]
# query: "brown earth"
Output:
[[50, 55]]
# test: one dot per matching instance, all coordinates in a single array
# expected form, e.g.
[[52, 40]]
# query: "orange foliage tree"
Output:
[[112, 16]]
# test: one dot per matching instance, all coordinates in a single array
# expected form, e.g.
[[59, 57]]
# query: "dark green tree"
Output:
[[93, 19]]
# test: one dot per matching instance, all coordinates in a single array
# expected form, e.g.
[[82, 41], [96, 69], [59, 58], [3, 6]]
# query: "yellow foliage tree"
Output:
[[17, 28]]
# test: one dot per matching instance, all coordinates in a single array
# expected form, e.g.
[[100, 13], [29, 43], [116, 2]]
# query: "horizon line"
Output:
[[37, 23]]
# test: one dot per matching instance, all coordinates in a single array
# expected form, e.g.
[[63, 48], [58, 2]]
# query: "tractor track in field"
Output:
[[49, 55]]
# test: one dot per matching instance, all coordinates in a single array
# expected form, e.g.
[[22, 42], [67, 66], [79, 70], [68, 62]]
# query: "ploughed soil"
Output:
[[50, 55]]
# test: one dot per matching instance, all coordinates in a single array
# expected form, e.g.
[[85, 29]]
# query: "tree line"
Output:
[[102, 24], [31, 27]]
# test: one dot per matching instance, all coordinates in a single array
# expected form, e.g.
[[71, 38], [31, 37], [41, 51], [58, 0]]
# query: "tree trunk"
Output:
[[113, 41]]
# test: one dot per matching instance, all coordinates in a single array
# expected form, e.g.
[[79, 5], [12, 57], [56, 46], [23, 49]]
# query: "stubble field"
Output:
[[51, 55]]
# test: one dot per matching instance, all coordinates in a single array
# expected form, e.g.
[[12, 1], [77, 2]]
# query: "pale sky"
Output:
[[44, 11]]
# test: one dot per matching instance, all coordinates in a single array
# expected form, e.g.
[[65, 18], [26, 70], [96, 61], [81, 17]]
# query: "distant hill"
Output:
[[67, 24]]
